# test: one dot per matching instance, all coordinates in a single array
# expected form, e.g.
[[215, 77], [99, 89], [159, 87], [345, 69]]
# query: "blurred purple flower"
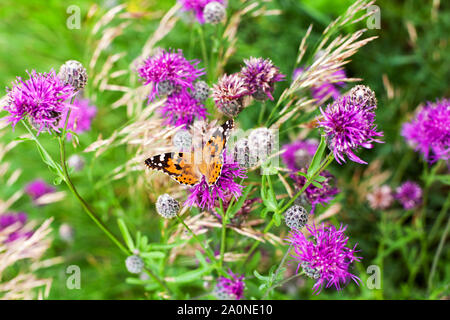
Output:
[[429, 131], [299, 154], [381, 198], [328, 87], [172, 67], [80, 118], [230, 288], [41, 98], [348, 127], [316, 195], [205, 196], [11, 218], [260, 76], [324, 255], [182, 109], [197, 6], [409, 194], [38, 188]]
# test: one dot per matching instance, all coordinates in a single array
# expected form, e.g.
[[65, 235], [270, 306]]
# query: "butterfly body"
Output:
[[190, 168]]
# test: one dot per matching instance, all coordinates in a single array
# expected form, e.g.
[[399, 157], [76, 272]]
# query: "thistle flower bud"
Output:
[[201, 91], [262, 142], [260, 95], [182, 141], [241, 154], [76, 162], [312, 273], [165, 88], [296, 217], [134, 264], [363, 96], [166, 206], [232, 108], [214, 13], [74, 74]]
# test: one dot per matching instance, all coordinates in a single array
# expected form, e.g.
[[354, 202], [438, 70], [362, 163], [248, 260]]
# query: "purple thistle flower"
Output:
[[327, 87], [205, 196], [299, 154], [230, 288], [313, 194], [324, 255], [429, 131], [182, 109], [38, 188], [40, 98], [11, 218], [260, 76], [169, 66], [197, 6], [348, 127], [409, 194], [228, 94], [80, 118]]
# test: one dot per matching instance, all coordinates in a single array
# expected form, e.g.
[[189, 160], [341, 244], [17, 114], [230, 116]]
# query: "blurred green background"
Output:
[[410, 57]]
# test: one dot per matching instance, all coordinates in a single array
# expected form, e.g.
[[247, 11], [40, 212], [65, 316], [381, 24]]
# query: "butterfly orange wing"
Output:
[[178, 165]]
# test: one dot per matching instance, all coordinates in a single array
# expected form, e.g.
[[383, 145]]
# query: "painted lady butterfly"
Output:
[[185, 168]]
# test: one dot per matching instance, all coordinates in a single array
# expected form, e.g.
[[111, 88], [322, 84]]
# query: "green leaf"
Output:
[[201, 259], [259, 276], [317, 159], [320, 178], [153, 255], [300, 173], [277, 219], [236, 206], [445, 179], [125, 234], [190, 276], [57, 181], [158, 246], [316, 184]]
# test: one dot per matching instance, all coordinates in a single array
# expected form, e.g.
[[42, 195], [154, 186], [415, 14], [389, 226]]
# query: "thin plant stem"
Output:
[[437, 255], [275, 285], [206, 250], [324, 165], [203, 46], [440, 217], [223, 236], [274, 278], [93, 216]]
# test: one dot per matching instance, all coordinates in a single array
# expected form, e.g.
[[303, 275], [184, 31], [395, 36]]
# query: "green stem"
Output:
[[203, 45], [274, 278], [437, 255], [324, 165], [206, 250], [275, 285], [441, 216], [223, 237], [257, 242]]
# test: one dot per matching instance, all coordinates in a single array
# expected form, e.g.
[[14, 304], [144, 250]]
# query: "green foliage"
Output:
[[403, 244]]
